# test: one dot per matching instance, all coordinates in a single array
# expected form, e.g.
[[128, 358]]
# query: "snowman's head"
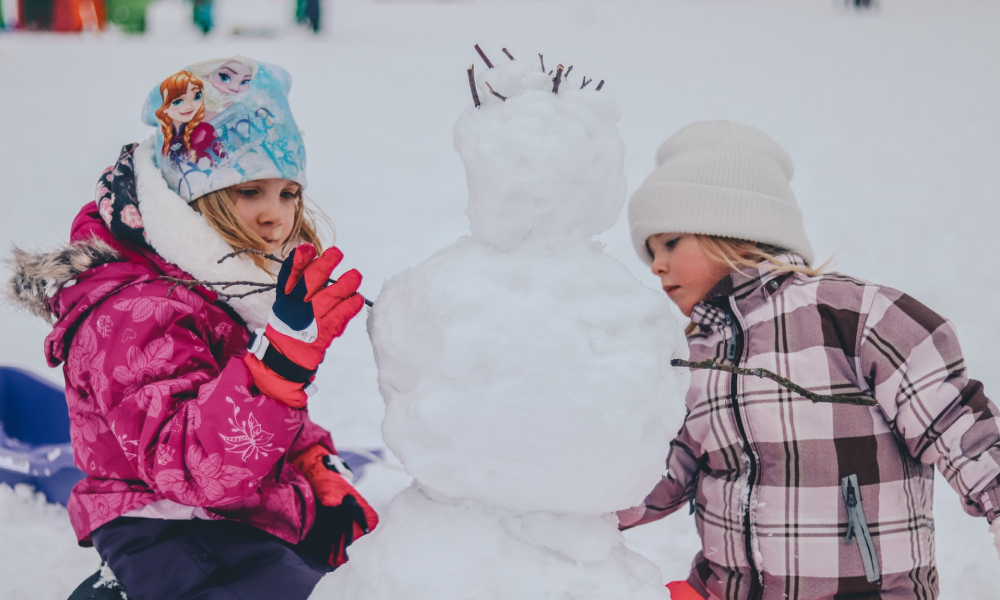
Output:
[[540, 165]]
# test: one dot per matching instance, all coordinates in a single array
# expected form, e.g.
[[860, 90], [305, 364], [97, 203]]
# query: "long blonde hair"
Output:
[[219, 211], [741, 254]]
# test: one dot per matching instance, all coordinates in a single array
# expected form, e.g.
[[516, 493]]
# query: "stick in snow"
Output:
[[472, 85], [557, 79], [586, 82], [568, 71], [496, 93], [264, 286], [600, 85], [542, 58], [507, 53], [785, 383], [482, 55]]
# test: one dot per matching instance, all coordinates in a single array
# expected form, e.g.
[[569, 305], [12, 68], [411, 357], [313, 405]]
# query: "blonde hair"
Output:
[[742, 254], [218, 209]]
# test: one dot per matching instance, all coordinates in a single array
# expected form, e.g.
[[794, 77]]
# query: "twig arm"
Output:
[[782, 381]]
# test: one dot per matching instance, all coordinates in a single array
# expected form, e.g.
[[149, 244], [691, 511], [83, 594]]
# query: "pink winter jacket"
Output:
[[817, 501], [161, 404]]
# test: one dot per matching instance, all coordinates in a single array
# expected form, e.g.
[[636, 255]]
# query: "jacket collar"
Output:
[[749, 288], [183, 237]]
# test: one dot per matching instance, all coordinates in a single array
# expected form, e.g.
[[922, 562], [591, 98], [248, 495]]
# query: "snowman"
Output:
[[525, 372]]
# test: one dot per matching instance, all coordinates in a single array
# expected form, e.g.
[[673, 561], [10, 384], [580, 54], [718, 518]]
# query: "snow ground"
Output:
[[889, 116]]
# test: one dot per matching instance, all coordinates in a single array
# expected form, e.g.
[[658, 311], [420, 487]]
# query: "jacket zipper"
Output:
[[857, 526], [735, 350]]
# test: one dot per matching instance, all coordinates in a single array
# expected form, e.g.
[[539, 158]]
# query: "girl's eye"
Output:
[[672, 243], [224, 78], [250, 193], [177, 102], [197, 96], [290, 195], [245, 82]]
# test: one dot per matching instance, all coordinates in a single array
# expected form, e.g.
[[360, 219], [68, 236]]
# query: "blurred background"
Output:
[[887, 107], [240, 17]]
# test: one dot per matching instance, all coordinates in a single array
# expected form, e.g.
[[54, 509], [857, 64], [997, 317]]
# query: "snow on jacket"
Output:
[[779, 482], [162, 407]]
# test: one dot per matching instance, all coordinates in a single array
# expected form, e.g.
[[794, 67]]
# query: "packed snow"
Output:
[[429, 549], [889, 115], [517, 364]]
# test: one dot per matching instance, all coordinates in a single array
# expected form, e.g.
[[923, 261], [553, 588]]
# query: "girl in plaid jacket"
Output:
[[796, 499]]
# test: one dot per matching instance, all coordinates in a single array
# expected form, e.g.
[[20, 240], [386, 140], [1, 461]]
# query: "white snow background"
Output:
[[889, 115]]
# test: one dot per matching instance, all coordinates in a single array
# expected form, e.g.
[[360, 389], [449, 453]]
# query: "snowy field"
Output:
[[890, 117]]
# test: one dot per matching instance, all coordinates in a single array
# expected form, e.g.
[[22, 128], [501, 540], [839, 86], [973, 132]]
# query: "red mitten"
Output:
[[342, 515], [306, 317]]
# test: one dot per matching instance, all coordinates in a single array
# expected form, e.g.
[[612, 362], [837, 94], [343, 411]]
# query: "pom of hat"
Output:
[[724, 179]]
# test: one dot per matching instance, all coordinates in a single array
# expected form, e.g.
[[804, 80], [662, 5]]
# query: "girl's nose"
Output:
[[270, 213], [660, 267]]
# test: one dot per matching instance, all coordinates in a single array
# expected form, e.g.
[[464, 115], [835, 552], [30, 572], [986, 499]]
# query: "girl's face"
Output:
[[686, 272], [232, 78], [183, 109], [267, 206]]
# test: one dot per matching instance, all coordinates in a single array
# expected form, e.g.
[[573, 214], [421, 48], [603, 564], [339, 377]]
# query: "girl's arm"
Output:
[[911, 359], [677, 487], [191, 429]]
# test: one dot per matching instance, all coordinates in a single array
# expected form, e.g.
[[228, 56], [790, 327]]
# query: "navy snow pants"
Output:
[[157, 559]]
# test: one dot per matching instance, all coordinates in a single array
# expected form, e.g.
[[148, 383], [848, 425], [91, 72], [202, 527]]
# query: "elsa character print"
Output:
[[228, 78], [186, 135]]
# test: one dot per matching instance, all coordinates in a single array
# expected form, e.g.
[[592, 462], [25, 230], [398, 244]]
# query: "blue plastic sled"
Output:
[[34, 435]]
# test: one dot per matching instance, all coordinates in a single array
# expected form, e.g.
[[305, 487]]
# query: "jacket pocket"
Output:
[[857, 527]]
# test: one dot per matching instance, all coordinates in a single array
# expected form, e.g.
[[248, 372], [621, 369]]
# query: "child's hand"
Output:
[[306, 317], [342, 514], [630, 516]]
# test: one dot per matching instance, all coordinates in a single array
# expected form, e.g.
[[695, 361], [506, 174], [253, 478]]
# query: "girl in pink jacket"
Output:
[[796, 499], [205, 475]]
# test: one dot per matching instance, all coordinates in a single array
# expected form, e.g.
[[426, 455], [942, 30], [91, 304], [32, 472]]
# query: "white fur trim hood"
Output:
[[181, 236]]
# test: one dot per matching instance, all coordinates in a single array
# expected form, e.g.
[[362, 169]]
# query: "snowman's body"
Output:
[[525, 373]]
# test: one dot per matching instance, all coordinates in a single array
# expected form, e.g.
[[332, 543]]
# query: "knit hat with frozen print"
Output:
[[724, 179], [222, 122]]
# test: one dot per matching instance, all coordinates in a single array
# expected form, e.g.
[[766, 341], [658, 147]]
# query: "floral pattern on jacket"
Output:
[[161, 404]]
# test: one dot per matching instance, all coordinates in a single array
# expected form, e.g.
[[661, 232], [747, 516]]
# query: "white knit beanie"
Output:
[[720, 178]]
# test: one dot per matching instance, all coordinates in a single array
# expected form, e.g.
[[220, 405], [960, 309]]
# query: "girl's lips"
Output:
[[670, 289]]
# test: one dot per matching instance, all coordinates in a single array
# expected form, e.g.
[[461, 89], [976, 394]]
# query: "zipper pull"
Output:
[[731, 349], [852, 503], [852, 498]]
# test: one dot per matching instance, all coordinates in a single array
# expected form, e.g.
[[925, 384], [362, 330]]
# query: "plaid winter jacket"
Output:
[[812, 501]]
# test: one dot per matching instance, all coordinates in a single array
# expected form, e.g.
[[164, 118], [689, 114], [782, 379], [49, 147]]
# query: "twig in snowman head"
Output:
[[504, 50], [542, 58], [496, 93], [568, 71], [557, 79], [600, 85], [472, 85], [586, 82], [482, 55]]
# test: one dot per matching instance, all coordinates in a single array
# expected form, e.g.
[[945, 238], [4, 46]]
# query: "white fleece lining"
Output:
[[184, 238]]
